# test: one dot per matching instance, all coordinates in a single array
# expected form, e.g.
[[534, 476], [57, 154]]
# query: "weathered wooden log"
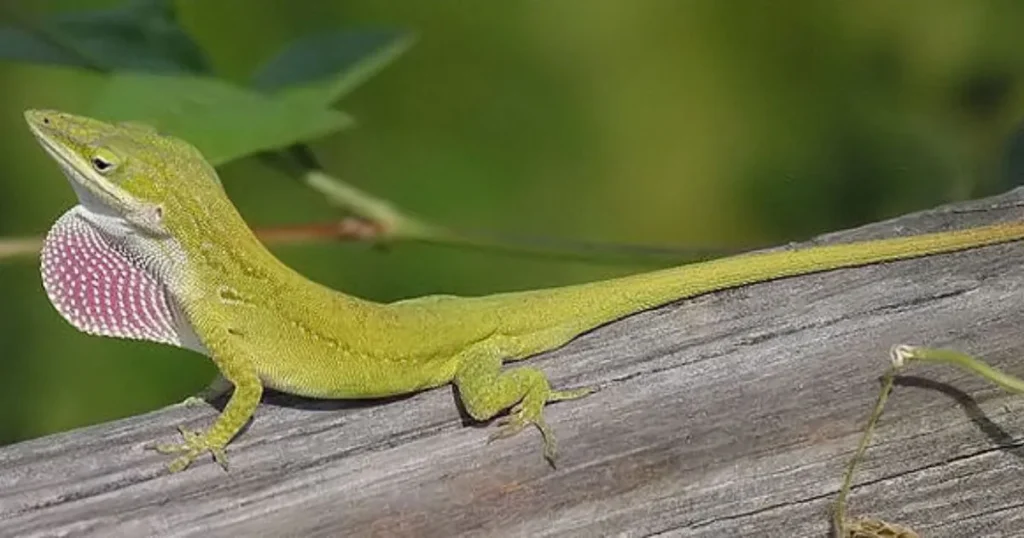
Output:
[[732, 414]]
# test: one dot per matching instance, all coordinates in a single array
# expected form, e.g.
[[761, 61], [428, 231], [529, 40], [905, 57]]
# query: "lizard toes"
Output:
[[191, 401], [571, 394], [220, 457], [181, 462], [507, 427], [194, 444]]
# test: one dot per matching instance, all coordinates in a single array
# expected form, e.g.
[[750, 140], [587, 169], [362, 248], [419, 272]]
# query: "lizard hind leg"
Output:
[[485, 390]]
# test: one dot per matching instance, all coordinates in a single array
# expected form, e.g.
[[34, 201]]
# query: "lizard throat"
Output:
[[108, 288]]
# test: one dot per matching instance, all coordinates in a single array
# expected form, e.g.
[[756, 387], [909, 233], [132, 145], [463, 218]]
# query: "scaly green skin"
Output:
[[263, 324]]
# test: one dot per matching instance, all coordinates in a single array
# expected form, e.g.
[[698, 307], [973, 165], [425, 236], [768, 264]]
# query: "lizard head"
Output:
[[127, 172], [121, 262]]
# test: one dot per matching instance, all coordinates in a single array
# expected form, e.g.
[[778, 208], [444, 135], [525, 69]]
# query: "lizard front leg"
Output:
[[237, 369], [485, 391]]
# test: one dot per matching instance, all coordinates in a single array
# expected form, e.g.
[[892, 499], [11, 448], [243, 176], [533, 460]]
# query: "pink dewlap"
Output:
[[99, 288]]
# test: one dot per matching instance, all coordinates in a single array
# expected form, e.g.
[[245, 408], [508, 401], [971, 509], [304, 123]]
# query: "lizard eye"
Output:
[[104, 161]]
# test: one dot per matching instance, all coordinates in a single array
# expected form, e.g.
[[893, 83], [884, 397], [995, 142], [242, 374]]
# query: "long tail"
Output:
[[600, 302]]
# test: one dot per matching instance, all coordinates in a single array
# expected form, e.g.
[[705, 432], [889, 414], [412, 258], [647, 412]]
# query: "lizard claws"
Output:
[[507, 427], [195, 443], [515, 421], [191, 401]]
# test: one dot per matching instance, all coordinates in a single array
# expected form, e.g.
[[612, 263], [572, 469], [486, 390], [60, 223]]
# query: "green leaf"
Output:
[[323, 68], [142, 35], [224, 121]]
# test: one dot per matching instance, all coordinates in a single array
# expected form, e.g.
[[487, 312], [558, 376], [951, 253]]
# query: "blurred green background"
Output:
[[673, 123]]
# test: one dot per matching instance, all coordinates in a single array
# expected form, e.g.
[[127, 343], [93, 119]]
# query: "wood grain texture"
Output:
[[732, 414]]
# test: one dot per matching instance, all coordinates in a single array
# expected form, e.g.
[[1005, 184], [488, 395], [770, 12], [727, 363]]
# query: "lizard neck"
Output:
[[227, 264], [225, 281]]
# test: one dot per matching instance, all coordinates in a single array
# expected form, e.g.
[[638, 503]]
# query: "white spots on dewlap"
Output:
[[99, 289]]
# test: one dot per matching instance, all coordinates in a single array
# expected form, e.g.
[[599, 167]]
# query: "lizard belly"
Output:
[[355, 377]]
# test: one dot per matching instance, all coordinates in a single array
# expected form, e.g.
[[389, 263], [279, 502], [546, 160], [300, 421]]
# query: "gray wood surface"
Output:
[[732, 414]]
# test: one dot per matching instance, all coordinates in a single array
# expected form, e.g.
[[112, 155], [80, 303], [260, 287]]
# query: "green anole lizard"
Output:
[[156, 251]]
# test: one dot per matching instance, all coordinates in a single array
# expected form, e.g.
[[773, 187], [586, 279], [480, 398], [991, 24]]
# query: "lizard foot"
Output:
[[191, 401], [518, 418], [486, 391], [196, 442], [529, 411], [509, 425]]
